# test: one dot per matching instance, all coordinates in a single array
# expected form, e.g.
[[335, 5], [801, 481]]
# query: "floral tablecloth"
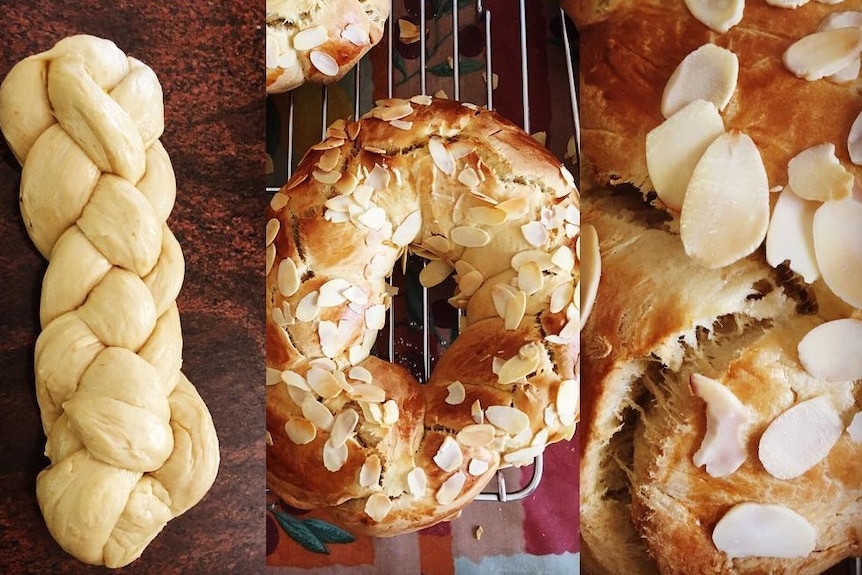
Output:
[[538, 534]]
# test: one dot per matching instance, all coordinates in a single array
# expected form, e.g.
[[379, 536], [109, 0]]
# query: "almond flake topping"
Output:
[[479, 435], [401, 124], [470, 237], [790, 236], [323, 382], [823, 53], [832, 351], [469, 177], [523, 456], [722, 449], [764, 530], [272, 227], [309, 38], [708, 73], [327, 178], [854, 141], [422, 99], [500, 296], [369, 475], [368, 393], [331, 293], [487, 215], [800, 438], [718, 16], [530, 278], [477, 467], [434, 273], [355, 34], [390, 412], [330, 341], [520, 366], [325, 63], [360, 373], [307, 308], [541, 258], [407, 231], [329, 159], [817, 174], [343, 426], [515, 208], [441, 155], [535, 233], [417, 481], [451, 488], [377, 507], [288, 277], [516, 306], [317, 413], [838, 248], [510, 420], [470, 282], [449, 456], [278, 201], [591, 271], [855, 428], [725, 213], [300, 431], [375, 317], [457, 394], [374, 218], [568, 401]]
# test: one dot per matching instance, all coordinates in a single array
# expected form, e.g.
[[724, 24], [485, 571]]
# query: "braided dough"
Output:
[[131, 443], [477, 196], [318, 40]]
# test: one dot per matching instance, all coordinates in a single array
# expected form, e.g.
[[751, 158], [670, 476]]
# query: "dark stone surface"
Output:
[[208, 56]]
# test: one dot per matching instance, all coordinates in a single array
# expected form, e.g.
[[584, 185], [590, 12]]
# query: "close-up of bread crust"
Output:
[[349, 29], [629, 50], [499, 165]]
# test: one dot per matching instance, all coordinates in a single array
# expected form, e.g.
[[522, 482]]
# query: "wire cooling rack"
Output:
[[488, 36]]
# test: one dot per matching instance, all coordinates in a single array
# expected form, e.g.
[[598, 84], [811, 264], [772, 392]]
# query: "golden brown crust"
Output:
[[341, 219], [628, 51]]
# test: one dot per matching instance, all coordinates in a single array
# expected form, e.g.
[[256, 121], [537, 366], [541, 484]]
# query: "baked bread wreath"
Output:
[[721, 369], [131, 444], [318, 40], [478, 198]]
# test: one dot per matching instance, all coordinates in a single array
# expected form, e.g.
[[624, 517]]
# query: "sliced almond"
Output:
[[725, 213], [343, 427], [470, 282], [708, 73], [279, 200], [435, 273], [838, 248], [675, 146], [407, 230], [437, 244], [800, 438], [479, 435], [469, 177], [469, 237], [854, 430], [487, 215], [515, 208], [816, 174], [375, 317], [323, 382], [309, 38], [516, 306], [422, 99], [288, 277], [530, 278], [722, 449], [317, 413], [477, 467], [787, 3], [417, 481], [535, 233], [360, 373], [307, 308], [540, 257], [790, 236], [568, 401], [441, 155], [457, 394], [500, 296], [327, 178], [377, 507], [390, 412], [763, 530], [477, 413], [719, 16], [510, 420], [368, 393], [374, 218], [449, 456], [378, 178], [331, 293], [369, 475], [356, 34], [519, 366], [451, 488], [823, 53], [523, 456], [591, 271], [300, 431], [330, 340], [854, 141], [832, 351]]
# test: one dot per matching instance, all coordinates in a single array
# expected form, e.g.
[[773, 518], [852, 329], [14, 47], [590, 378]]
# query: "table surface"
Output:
[[204, 54]]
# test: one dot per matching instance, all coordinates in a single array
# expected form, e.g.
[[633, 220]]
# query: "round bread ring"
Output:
[[357, 201], [347, 29]]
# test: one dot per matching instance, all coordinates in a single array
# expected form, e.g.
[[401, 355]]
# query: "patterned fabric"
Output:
[[538, 534]]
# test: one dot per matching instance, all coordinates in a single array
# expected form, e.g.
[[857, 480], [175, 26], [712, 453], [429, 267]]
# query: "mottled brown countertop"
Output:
[[209, 59]]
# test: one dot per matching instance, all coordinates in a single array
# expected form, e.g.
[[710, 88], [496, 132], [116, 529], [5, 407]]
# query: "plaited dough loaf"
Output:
[[356, 202], [347, 29], [131, 443]]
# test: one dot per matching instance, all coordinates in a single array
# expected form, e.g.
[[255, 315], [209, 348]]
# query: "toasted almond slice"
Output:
[[300, 431], [479, 435], [787, 3], [847, 73], [325, 63], [375, 317], [476, 412], [469, 237], [725, 213], [515, 208], [854, 430], [530, 278], [763, 530], [441, 155], [331, 293], [469, 177], [307, 308], [417, 482], [843, 19], [378, 178], [368, 393], [854, 141], [329, 160], [568, 401], [435, 273], [816, 174], [279, 200], [451, 488], [390, 412], [675, 146], [591, 272], [838, 248], [510, 420], [523, 456], [407, 231], [288, 277], [457, 394], [563, 295], [326, 144], [708, 73], [564, 258], [359, 373], [377, 507], [327, 178], [273, 376], [540, 257], [723, 448], [516, 306], [309, 38], [317, 413], [535, 233], [487, 215], [500, 296], [343, 427], [369, 475], [790, 236], [449, 456], [330, 340], [356, 34], [476, 468], [833, 350], [299, 395], [356, 295], [800, 438], [437, 244], [322, 382], [470, 282], [422, 99], [717, 16], [272, 228], [823, 53], [374, 218]]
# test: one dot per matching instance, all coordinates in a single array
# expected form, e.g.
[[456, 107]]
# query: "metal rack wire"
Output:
[[506, 486]]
